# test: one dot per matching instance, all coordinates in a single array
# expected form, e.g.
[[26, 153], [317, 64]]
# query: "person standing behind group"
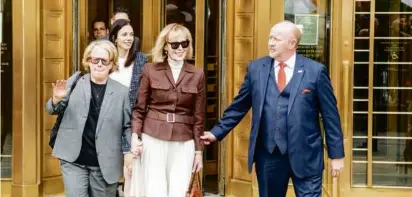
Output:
[[130, 62], [130, 68], [95, 129], [169, 115], [99, 29], [123, 14]]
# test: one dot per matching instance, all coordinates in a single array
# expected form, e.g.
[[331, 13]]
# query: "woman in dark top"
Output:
[[95, 129]]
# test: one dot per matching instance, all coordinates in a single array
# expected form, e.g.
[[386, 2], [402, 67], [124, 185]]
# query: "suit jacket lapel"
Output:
[[85, 82], [86, 87], [264, 77], [168, 72], [107, 100], [298, 73]]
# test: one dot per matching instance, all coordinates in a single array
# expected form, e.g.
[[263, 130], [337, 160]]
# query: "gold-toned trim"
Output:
[[342, 35], [221, 48], [391, 187], [396, 63], [384, 112], [68, 40], [360, 137], [392, 88], [370, 91], [230, 35], [361, 162], [392, 162], [26, 84], [393, 12], [83, 28], [360, 100], [152, 21], [200, 33], [359, 149], [392, 38], [392, 138], [111, 8]]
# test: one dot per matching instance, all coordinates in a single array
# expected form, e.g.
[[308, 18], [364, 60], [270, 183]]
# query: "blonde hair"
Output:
[[105, 45], [158, 51]]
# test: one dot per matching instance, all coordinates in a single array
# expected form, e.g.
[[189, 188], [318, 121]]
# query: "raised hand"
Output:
[[59, 90]]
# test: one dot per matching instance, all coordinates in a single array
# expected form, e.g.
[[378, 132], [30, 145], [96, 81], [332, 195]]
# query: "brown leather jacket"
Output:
[[167, 110]]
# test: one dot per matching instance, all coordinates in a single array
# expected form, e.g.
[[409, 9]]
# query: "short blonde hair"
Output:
[[158, 51], [105, 45]]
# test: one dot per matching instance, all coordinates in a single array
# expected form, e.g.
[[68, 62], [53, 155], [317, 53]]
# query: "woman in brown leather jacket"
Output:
[[169, 116]]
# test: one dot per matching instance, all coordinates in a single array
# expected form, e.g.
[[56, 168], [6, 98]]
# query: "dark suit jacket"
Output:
[[167, 110], [311, 95]]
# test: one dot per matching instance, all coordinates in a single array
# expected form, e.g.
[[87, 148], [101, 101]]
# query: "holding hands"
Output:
[[208, 138], [137, 145]]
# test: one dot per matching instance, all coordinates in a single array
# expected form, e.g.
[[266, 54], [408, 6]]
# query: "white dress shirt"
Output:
[[124, 74], [290, 65]]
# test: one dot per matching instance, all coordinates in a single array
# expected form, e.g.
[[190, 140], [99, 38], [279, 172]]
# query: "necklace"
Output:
[[96, 92]]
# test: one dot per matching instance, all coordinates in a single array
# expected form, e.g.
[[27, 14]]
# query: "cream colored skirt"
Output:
[[163, 170]]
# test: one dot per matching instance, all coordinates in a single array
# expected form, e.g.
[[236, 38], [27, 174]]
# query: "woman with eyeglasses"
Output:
[[95, 129], [169, 116]]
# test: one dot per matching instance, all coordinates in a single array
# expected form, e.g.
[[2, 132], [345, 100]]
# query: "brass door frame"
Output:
[[346, 61]]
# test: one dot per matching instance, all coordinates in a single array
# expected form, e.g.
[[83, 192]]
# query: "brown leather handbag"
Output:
[[195, 186]]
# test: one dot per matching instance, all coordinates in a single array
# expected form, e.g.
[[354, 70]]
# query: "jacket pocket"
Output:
[[188, 94], [158, 86], [160, 92], [190, 90]]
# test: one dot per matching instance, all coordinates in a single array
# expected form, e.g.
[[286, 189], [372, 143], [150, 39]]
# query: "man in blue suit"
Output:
[[287, 92]]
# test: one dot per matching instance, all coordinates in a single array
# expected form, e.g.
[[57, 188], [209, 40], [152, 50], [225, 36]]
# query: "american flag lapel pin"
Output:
[[300, 71]]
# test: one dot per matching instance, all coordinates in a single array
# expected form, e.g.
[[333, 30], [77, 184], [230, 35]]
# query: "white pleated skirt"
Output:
[[163, 170]]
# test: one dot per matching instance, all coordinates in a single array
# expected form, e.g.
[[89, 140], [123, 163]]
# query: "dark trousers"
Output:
[[273, 171]]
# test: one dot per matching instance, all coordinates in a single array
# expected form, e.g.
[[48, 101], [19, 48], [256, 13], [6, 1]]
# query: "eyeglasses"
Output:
[[175, 45], [96, 60]]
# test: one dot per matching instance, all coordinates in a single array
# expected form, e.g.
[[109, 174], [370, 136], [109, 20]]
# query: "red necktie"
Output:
[[281, 76]]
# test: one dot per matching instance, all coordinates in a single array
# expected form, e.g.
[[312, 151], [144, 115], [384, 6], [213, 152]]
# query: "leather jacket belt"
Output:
[[170, 117]]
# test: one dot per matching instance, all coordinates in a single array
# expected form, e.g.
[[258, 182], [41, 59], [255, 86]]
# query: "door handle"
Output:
[[346, 92]]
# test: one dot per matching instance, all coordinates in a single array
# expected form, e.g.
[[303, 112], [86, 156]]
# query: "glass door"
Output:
[[382, 101], [6, 70]]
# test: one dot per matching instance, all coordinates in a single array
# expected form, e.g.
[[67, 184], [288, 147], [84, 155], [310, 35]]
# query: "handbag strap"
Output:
[[75, 81], [195, 175], [192, 179]]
